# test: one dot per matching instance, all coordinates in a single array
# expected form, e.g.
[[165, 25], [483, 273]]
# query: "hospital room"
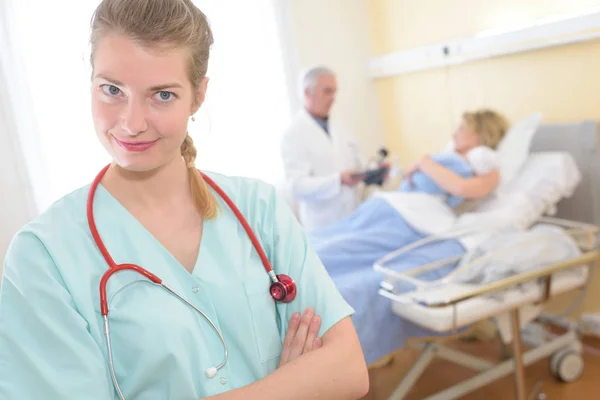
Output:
[[300, 199]]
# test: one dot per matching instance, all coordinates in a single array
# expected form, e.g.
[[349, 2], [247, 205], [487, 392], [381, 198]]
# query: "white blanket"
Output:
[[511, 253], [425, 213], [543, 181]]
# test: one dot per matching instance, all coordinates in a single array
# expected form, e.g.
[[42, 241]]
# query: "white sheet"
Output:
[[512, 253], [515, 253], [424, 212], [545, 179]]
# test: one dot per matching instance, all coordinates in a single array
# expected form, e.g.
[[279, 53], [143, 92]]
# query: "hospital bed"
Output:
[[462, 295], [556, 176]]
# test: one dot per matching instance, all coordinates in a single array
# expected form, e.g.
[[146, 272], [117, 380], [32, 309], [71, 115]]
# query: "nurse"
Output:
[[152, 208]]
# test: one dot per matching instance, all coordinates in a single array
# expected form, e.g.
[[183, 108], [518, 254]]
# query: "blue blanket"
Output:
[[349, 248], [424, 184]]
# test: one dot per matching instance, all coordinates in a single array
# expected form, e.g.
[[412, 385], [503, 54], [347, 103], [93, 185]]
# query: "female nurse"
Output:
[[229, 338]]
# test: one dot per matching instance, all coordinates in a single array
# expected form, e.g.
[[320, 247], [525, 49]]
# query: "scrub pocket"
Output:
[[264, 316]]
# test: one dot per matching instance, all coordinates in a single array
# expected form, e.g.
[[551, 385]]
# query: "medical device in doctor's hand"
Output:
[[282, 289], [378, 168]]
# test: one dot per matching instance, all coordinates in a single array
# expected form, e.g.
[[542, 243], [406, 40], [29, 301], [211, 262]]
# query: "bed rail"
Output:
[[589, 258], [585, 235]]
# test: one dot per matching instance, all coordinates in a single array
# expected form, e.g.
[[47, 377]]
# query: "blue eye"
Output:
[[164, 96], [111, 90]]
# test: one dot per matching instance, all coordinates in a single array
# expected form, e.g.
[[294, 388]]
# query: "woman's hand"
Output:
[[312, 374], [415, 167], [410, 171], [425, 159], [301, 336]]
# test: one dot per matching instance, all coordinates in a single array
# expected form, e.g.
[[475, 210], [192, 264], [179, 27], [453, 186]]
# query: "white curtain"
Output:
[[52, 38], [236, 131], [17, 197]]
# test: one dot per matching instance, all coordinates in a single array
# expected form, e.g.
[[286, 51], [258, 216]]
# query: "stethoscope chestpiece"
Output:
[[284, 290]]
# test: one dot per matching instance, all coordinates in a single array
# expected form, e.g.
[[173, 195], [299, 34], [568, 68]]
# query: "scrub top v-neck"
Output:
[[51, 331]]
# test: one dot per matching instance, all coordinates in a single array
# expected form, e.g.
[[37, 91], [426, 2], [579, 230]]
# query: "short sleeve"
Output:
[[292, 254], [483, 160], [46, 351]]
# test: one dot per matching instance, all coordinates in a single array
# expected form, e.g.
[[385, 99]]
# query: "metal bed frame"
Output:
[[587, 238]]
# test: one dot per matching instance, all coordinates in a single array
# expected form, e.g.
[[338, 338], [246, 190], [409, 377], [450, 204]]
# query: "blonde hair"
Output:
[[488, 124], [163, 24]]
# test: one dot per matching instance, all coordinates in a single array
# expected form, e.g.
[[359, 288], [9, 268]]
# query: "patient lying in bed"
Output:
[[468, 169], [350, 247]]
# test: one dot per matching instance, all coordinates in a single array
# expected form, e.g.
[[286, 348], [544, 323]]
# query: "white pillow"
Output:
[[514, 148], [544, 180]]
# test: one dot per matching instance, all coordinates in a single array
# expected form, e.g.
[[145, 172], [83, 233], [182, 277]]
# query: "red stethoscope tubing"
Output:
[[114, 267], [261, 253]]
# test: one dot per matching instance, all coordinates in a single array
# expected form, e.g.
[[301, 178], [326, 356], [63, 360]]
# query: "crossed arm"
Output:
[[311, 369], [331, 367]]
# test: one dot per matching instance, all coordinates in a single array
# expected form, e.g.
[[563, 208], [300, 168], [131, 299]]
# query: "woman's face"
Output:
[[465, 138], [141, 101]]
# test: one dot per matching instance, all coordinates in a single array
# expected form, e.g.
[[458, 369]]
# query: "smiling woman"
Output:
[[255, 92], [138, 117], [238, 271]]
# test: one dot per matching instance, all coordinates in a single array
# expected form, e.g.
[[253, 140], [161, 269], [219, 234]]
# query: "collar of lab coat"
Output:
[[310, 119]]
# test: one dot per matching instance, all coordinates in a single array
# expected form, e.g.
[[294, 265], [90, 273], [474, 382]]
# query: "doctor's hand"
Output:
[[388, 166], [301, 336], [351, 177]]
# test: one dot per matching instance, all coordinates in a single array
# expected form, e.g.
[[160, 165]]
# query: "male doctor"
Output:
[[321, 164]]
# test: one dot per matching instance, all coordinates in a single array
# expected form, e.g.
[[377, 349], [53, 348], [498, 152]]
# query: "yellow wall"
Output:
[[420, 110]]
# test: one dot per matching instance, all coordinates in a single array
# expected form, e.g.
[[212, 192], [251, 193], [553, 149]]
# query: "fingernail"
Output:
[[296, 316], [309, 311], [315, 319]]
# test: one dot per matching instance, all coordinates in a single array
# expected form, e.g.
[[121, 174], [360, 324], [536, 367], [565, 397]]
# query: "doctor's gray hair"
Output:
[[309, 77]]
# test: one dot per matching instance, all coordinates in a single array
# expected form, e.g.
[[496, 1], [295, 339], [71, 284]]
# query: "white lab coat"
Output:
[[313, 162]]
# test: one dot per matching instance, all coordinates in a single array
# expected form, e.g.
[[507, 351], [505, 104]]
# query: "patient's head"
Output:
[[479, 128]]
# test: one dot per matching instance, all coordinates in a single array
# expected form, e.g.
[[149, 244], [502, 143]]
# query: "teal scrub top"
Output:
[[52, 343]]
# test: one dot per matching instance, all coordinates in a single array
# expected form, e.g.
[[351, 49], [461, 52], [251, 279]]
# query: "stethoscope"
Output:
[[282, 289]]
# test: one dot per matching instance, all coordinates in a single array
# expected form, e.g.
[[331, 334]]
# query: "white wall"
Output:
[[335, 33]]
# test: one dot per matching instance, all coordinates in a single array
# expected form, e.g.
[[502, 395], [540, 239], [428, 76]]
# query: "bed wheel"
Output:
[[566, 365]]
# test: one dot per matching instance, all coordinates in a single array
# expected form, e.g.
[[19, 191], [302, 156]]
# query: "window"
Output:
[[236, 131], [247, 106]]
